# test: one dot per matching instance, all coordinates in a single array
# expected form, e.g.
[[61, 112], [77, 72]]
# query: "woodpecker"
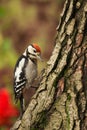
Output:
[[25, 72]]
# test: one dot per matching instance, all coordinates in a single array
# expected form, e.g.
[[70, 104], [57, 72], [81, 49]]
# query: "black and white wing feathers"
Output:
[[19, 76]]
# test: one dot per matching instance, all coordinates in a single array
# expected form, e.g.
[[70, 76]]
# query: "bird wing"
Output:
[[19, 76]]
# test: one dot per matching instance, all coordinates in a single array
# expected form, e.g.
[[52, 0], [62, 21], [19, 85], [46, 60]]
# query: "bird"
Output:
[[25, 72]]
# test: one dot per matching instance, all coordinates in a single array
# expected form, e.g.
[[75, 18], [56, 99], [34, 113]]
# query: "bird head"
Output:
[[34, 51]]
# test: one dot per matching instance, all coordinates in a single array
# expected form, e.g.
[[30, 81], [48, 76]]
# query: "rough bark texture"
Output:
[[50, 108]]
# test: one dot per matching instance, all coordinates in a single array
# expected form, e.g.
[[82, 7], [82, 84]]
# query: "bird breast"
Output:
[[31, 72]]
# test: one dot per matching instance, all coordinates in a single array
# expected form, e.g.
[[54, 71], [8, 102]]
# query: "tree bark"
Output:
[[60, 102]]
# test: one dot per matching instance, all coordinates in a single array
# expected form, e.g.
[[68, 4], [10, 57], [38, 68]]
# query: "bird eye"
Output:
[[35, 51]]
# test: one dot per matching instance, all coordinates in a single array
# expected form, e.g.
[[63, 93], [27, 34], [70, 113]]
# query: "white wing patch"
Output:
[[19, 69]]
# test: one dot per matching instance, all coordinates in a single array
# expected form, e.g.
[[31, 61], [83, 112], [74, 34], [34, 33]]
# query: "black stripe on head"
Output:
[[31, 54]]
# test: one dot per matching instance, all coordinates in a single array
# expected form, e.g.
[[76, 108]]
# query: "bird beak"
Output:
[[39, 57]]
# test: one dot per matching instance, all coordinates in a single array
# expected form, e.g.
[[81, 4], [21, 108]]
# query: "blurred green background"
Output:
[[23, 22]]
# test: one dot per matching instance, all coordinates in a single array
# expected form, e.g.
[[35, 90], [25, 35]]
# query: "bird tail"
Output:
[[16, 100]]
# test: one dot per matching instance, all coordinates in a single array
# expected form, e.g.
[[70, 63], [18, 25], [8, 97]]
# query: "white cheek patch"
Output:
[[30, 49]]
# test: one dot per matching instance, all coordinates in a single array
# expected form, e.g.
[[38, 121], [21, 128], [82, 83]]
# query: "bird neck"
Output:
[[33, 60], [25, 53]]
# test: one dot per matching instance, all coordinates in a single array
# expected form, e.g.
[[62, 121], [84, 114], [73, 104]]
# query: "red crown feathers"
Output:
[[36, 47]]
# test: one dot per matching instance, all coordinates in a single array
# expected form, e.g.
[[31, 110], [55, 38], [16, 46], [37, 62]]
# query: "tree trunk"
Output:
[[60, 103]]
